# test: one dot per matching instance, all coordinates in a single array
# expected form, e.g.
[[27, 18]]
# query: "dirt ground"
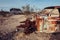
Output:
[[8, 30], [33, 36]]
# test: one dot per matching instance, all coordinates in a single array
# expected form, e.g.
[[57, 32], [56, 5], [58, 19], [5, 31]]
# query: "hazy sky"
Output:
[[38, 4]]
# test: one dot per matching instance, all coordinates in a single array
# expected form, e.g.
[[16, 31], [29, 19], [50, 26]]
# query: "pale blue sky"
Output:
[[7, 4]]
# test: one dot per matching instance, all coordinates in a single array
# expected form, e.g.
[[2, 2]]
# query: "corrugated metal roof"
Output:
[[52, 7]]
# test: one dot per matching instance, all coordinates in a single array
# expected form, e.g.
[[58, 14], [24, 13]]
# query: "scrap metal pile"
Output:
[[29, 26], [41, 24], [47, 21]]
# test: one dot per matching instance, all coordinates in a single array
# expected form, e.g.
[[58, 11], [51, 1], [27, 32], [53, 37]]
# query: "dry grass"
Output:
[[8, 30]]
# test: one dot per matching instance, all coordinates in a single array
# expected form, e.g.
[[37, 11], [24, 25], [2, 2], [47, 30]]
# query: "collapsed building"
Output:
[[49, 20]]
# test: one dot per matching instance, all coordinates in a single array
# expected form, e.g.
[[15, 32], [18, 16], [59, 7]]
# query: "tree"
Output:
[[32, 9], [26, 9]]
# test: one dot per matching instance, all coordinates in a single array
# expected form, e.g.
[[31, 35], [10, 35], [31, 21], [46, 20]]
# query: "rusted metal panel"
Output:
[[46, 24]]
